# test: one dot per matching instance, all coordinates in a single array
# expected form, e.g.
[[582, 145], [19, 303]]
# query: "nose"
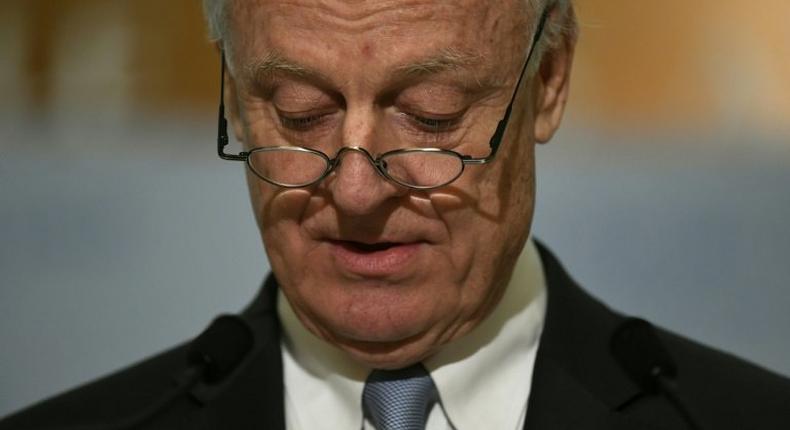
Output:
[[357, 187]]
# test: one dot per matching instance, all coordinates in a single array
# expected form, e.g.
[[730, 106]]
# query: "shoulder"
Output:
[[104, 400], [723, 385], [722, 390], [237, 374]]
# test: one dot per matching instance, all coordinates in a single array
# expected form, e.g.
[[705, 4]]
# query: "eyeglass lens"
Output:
[[295, 167]]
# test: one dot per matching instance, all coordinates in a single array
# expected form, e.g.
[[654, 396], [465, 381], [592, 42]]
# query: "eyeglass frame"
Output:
[[332, 163]]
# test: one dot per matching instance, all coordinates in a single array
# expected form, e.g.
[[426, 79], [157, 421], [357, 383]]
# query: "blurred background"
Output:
[[666, 193]]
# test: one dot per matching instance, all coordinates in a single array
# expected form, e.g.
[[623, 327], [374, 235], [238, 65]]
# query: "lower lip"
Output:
[[388, 262]]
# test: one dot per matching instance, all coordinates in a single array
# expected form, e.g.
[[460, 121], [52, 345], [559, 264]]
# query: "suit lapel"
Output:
[[561, 402], [576, 384]]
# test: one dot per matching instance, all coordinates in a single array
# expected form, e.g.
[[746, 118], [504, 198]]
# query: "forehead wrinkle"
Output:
[[448, 59], [354, 16], [265, 69]]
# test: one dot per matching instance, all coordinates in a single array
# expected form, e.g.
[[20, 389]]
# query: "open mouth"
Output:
[[379, 259], [366, 248]]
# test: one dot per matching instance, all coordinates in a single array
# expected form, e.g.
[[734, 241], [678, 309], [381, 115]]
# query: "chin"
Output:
[[395, 355], [389, 338]]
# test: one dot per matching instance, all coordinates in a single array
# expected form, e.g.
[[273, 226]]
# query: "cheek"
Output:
[[256, 194], [488, 232], [518, 197], [496, 200], [278, 213]]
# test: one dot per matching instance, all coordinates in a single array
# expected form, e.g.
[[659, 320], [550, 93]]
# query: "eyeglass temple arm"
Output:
[[499, 133], [222, 126]]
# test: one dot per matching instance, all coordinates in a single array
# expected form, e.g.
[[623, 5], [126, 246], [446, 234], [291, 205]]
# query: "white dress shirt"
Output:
[[483, 378]]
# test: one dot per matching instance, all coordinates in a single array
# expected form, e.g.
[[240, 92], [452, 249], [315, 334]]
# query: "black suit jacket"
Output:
[[576, 382]]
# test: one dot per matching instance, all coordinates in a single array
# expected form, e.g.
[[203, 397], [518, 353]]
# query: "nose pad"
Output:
[[358, 187], [348, 150]]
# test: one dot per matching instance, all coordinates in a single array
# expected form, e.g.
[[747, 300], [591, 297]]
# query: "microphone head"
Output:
[[221, 347], [639, 352]]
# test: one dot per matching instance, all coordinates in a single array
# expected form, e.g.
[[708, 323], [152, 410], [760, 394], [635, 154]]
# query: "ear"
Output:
[[552, 85], [232, 109]]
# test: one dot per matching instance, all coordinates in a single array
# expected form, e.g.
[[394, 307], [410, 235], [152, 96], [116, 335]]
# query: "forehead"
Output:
[[358, 30]]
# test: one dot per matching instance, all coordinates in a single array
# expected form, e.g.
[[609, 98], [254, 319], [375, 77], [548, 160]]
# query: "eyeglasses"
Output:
[[416, 168]]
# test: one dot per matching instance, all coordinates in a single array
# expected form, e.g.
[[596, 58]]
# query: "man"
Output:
[[390, 158]]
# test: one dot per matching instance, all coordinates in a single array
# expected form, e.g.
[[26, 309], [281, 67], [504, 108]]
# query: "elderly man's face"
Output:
[[387, 273]]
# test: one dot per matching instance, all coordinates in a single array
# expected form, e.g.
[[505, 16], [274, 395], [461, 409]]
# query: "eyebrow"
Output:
[[273, 64], [446, 60]]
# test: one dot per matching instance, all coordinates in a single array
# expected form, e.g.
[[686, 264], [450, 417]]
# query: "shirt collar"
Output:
[[322, 379], [505, 341]]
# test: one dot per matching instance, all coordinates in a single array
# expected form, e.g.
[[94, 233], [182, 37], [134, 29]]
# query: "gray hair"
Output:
[[557, 29]]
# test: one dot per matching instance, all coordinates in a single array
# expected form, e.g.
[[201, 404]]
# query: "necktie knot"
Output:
[[399, 399]]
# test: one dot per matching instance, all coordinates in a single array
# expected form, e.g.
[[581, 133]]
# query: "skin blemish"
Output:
[[367, 50]]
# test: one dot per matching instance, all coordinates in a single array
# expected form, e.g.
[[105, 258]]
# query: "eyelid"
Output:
[[299, 113], [299, 123], [417, 112], [290, 89], [302, 120], [442, 125]]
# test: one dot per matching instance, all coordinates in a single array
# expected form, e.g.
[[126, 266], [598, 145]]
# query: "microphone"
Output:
[[644, 359], [212, 356], [221, 347]]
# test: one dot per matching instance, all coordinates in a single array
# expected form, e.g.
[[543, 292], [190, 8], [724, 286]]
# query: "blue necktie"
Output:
[[399, 399]]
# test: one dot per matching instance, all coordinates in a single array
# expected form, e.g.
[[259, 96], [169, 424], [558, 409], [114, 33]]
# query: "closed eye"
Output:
[[434, 125], [301, 123]]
